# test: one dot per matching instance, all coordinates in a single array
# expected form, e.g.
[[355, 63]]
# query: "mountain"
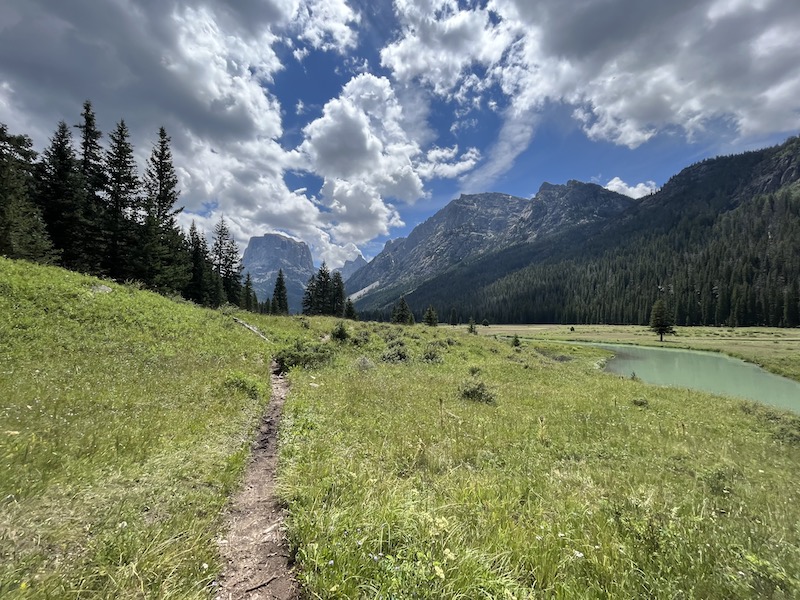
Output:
[[267, 254], [351, 266], [476, 225], [720, 242]]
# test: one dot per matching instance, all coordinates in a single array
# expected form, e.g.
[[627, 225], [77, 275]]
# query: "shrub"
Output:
[[432, 353], [476, 391], [396, 352], [515, 340], [339, 332], [640, 402], [302, 354], [364, 364]]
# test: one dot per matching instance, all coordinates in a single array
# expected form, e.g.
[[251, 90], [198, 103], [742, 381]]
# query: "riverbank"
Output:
[[776, 350]]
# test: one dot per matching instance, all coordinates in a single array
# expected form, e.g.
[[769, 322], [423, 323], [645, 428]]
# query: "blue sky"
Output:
[[345, 123]]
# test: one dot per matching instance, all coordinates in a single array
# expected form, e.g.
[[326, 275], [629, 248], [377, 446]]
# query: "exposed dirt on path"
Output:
[[258, 562]]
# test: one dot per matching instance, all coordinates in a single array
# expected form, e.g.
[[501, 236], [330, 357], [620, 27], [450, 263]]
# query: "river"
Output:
[[706, 371]]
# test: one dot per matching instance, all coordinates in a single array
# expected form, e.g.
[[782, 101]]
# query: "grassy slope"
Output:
[[124, 426], [125, 419], [565, 487]]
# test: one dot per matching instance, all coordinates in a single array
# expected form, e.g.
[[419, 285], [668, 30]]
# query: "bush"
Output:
[[515, 341], [396, 352], [361, 338], [476, 391], [364, 364], [339, 332], [432, 353], [303, 354]]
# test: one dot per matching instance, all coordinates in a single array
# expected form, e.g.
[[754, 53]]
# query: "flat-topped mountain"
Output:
[[271, 252]]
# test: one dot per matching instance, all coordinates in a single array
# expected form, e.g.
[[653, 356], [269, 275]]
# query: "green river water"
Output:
[[706, 371]]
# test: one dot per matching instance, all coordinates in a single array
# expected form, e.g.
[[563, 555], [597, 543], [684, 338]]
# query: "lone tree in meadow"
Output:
[[430, 317], [660, 319], [402, 314]]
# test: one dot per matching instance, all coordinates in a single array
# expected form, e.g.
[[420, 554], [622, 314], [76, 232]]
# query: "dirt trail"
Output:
[[257, 554]]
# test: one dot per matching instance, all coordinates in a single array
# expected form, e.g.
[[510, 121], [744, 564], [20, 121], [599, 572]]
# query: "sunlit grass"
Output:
[[124, 426], [570, 485]]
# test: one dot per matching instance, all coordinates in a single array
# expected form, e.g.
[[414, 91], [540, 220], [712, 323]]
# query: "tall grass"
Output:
[[572, 483], [125, 423]]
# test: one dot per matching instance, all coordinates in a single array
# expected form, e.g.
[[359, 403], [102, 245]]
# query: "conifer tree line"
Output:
[[84, 206], [324, 295]]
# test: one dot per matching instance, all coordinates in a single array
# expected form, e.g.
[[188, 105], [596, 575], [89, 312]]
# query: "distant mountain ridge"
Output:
[[478, 224], [720, 241], [266, 255]]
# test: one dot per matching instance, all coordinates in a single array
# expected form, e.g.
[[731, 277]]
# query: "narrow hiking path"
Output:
[[258, 564]]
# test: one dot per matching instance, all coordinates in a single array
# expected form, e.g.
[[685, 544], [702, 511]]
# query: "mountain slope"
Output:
[[266, 255], [721, 240]]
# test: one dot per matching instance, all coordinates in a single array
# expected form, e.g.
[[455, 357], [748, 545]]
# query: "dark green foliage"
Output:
[[122, 196], [432, 353], [227, 264], [303, 354], [401, 314], [280, 300], [453, 317], [396, 352], [249, 300], [22, 230], [350, 310], [93, 180], [59, 194], [661, 319], [324, 294], [471, 327], [162, 260], [200, 287], [430, 318], [340, 333], [515, 341], [475, 390]]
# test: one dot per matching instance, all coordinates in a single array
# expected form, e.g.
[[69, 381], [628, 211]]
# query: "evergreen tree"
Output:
[[401, 314], [162, 255], [350, 310], [93, 179], [122, 204], [201, 286], [248, 294], [23, 233], [227, 264], [321, 295], [61, 200], [338, 296], [280, 300], [660, 319], [453, 317], [430, 317]]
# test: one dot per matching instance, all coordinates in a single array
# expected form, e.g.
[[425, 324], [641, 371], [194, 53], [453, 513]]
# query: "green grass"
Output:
[[416, 462], [775, 349], [125, 424], [573, 483]]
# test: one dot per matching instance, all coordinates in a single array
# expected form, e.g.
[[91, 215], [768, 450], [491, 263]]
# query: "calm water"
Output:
[[705, 371]]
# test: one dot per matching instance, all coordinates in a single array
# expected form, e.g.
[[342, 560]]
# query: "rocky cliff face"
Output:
[[478, 224], [267, 254], [351, 266]]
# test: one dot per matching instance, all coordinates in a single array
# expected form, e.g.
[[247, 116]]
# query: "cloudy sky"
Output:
[[348, 122]]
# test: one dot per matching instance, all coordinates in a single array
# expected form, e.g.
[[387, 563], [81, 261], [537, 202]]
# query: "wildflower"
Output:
[[538, 538], [204, 566], [561, 535], [577, 553], [330, 563], [448, 554], [439, 572]]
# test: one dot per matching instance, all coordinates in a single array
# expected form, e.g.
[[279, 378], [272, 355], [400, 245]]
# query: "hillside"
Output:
[[413, 460], [721, 239]]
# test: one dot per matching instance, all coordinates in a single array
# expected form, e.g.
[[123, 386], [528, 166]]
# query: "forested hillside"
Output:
[[720, 243]]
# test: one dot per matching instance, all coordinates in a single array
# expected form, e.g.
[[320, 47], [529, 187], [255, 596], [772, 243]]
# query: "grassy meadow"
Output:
[[416, 462]]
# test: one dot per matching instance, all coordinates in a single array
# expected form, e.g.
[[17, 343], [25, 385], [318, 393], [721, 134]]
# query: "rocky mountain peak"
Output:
[[266, 255]]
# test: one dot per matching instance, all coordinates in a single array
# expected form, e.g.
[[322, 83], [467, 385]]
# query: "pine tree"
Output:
[[93, 179], [430, 318], [162, 257], [350, 310], [201, 286], [660, 319], [338, 296], [453, 317], [122, 203], [280, 300], [401, 314], [61, 199], [23, 233], [248, 294], [227, 264]]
